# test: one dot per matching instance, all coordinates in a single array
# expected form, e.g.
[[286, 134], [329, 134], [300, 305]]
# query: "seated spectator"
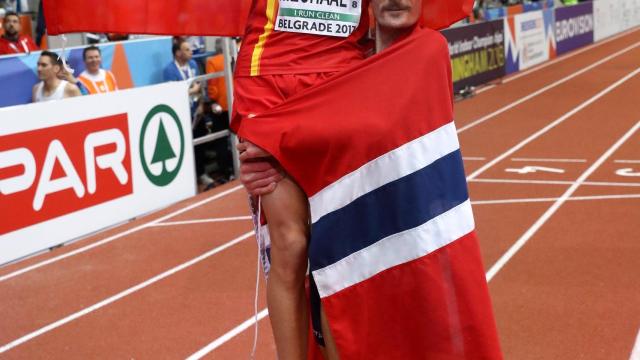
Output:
[[183, 67], [51, 87], [12, 42], [95, 79]]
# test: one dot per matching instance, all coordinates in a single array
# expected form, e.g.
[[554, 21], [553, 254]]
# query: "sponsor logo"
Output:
[[162, 145], [531, 25], [51, 172], [569, 28]]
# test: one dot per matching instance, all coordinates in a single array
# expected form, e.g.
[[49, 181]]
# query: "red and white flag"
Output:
[[393, 247]]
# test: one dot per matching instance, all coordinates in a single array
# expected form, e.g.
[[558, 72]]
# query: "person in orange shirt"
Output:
[[217, 88], [12, 42], [95, 79]]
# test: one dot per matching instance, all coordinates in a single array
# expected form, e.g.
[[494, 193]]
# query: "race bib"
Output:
[[319, 17]]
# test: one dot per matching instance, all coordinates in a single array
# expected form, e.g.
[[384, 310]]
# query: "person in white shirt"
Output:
[[51, 87], [95, 79]]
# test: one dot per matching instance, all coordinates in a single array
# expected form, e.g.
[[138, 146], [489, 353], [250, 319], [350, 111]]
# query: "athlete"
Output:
[[288, 47]]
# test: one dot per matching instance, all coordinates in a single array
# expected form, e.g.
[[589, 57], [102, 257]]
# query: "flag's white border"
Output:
[[389, 167], [396, 249]]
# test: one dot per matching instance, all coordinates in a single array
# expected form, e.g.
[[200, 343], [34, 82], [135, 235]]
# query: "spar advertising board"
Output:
[[71, 167], [615, 16], [529, 39], [574, 27], [477, 53]]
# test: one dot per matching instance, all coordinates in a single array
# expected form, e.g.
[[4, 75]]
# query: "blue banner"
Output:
[[574, 27]]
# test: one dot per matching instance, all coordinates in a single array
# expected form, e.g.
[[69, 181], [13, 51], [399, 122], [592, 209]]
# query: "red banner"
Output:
[[51, 172], [170, 17], [190, 17]]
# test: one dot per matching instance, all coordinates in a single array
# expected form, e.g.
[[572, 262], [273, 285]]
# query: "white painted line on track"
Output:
[[544, 89], [474, 158], [201, 221], [635, 352], [558, 59], [228, 336], [129, 291], [549, 160], [552, 199], [627, 161], [552, 182], [117, 236], [556, 205], [553, 124]]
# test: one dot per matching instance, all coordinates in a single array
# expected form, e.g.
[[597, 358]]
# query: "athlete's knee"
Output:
[[288, 252], [289, 239]]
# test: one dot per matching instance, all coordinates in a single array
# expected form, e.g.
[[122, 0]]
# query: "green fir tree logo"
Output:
[[163, 150]]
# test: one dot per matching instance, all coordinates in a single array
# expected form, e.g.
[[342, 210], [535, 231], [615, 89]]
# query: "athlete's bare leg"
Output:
[[287, 212]]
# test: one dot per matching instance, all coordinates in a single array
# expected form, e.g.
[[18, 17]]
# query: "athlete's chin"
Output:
[[396, 21]]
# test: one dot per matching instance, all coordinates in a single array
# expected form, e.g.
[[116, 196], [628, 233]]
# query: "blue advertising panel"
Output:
[[574, 27], [477, 53]]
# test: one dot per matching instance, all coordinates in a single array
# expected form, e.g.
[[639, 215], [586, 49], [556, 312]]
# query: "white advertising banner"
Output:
[[71, 167], [533, 38], [615, 16]]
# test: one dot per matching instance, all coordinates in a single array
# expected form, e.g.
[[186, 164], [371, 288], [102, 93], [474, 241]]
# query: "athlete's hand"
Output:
[[250, 151], [259, 171]]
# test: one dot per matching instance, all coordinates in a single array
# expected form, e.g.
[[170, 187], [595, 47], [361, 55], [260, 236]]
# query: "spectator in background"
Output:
[[12, 42], [51, 87], [217, 88], [183, 67], [208, 120], [95, 79]]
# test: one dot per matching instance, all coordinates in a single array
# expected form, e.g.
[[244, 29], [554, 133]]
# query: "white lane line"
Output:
[[549, 160], [627, 161], [546, 88], [201, 221], [553, 124], [552, 182], [635, 352], [473, 158], [122, 294], [556, 205], [117, 236], [552, 199], [558, 59], [228, 336]]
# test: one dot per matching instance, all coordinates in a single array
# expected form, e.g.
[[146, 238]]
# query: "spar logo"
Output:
[[161, 145], [51, 172]]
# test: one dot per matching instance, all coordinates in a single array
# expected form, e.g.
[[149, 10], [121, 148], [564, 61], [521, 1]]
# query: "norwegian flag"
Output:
[[393, 250]]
